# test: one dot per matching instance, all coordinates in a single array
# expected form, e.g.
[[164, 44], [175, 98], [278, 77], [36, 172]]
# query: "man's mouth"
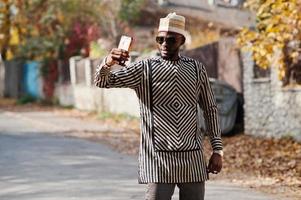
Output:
[[164, 51]]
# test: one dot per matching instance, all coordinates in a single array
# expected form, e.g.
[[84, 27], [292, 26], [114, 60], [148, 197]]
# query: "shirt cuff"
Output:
[[220, 152], [216, 143]]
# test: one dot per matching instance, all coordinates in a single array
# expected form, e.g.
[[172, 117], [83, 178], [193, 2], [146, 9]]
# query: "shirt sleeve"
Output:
[[119, 76], [209, 107]]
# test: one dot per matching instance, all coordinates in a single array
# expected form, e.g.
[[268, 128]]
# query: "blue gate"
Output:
[[31, 79]]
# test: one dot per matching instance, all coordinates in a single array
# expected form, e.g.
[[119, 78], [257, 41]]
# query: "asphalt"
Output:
[[38, 163]]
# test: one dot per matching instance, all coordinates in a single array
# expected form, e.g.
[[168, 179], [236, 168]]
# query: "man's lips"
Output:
[[164, 51]]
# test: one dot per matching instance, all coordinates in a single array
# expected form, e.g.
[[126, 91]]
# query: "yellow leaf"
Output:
[[9, 55], [14, 36]]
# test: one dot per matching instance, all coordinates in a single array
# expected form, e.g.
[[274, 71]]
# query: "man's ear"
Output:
[[183, 40]]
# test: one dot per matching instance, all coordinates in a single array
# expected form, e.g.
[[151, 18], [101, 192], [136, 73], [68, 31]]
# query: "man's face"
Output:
[[169, 44]]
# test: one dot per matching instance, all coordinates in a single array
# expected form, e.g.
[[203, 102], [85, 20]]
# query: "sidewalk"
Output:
[[39, 166]]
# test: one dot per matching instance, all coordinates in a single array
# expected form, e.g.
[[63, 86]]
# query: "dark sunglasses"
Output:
[[169, 40]]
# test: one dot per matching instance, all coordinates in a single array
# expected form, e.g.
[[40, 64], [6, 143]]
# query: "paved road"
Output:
[[36, 163]]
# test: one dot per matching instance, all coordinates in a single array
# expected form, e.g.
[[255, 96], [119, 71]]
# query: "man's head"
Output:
[[171, 36]]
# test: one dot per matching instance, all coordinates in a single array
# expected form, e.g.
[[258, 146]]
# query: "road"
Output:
[[38, 163]]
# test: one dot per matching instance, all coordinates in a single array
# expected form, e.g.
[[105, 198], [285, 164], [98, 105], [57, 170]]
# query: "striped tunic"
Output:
[[169, 92]]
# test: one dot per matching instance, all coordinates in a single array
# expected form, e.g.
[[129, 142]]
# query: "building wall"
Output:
[[201, 4], [208, 55], [229, 63], [205, 10], [270, 109]]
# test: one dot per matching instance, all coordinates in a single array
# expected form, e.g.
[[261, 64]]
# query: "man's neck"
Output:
[[173, 58]]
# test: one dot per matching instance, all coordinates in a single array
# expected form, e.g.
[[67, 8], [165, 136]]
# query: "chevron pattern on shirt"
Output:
[[174, 102]]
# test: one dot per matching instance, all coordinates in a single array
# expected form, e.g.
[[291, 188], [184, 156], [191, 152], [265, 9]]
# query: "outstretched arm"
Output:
[[110, 74]]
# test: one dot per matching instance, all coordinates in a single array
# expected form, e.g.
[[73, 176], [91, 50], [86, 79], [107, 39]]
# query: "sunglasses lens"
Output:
[[168, 40], [160, 40]]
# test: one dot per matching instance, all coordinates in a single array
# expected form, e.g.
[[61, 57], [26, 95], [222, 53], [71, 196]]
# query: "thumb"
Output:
[[209, 168]]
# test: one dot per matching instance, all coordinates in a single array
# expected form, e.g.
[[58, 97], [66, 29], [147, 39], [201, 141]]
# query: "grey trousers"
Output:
[[164, 191]]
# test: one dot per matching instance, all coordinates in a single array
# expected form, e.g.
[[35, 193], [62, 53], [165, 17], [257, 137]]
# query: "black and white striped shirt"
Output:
[[169, 92]]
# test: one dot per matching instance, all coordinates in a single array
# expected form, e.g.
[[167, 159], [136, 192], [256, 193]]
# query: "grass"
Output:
[[116, 117], [26, 99]]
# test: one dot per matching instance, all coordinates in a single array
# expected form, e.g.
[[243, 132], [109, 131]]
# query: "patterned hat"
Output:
[[173, 23]]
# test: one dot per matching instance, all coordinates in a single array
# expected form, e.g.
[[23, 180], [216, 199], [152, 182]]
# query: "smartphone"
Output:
[[125, 42]]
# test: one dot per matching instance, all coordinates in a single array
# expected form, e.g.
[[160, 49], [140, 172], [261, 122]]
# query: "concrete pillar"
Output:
[[72, 66], [88, 72]]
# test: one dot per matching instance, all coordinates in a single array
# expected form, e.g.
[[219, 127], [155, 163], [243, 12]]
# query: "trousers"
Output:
[[164, 191]]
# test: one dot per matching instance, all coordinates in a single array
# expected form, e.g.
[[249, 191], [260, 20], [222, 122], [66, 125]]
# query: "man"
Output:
[[169, 88]]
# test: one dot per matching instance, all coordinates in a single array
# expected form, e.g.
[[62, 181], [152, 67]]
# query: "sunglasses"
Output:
[[169, 40]]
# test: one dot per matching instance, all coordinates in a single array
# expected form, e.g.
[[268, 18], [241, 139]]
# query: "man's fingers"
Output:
[[120, 52], [123, 55], [215, 164], [119, 58], [216, 168], [209, 168], [115, 50]]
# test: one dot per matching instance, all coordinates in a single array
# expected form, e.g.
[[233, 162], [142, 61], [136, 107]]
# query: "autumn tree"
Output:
[[48, 30], [130, 10], [45, 25], [4, 25], [8, 29], [277, 31]]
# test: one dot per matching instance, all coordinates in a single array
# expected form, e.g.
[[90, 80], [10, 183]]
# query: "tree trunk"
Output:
[[6, 30]]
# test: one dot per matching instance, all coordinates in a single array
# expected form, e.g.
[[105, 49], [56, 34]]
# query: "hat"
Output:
[[173, 23]]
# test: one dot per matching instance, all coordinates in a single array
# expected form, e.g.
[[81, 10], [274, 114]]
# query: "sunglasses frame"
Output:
[[170, 40]]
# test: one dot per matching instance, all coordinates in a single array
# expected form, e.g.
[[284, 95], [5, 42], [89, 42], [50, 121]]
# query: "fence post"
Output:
[[88, 72], [72, 66]]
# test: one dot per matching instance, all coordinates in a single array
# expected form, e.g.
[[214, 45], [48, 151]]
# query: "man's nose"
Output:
[[164, 43]]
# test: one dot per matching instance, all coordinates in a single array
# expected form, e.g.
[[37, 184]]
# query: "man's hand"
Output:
[[215, 164], [117, 56]]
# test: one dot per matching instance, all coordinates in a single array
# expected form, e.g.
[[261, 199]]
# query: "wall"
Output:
[[197, 4], [229, 63], [270, 109], [208, 55], [201, 9], [13, 78], [83, 95]]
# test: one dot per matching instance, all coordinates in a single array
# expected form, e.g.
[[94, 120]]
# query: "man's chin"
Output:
[[165, 56]]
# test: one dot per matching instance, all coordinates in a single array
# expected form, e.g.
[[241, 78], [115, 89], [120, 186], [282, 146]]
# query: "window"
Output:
[[260, 73], [294, 74]]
